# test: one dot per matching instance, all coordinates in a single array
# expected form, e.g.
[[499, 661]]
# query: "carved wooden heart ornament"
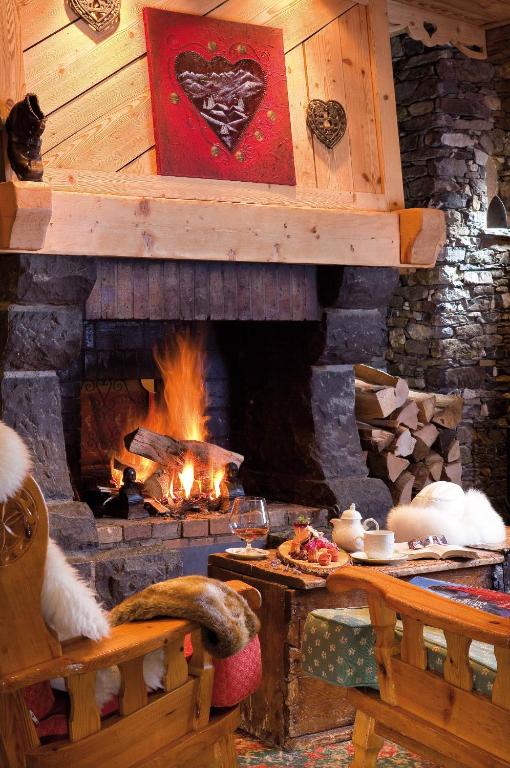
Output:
[[98, 14], [326, 120], [226, 95]]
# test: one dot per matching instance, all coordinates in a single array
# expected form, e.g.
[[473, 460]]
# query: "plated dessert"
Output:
[[310, 551]]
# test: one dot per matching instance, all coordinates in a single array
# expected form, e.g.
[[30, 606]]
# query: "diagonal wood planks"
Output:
[[97, 92]]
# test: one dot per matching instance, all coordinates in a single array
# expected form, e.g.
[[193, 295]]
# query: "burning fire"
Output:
[[181, 413]]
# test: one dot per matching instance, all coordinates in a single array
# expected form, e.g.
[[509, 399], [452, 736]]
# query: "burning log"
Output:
[[166, 450]]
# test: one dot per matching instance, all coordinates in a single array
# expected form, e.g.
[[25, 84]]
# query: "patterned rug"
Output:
[[253, 754]]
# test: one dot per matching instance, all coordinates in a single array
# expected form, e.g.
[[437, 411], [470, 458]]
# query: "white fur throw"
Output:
[[69, 606], [14, 462], [444, 508]]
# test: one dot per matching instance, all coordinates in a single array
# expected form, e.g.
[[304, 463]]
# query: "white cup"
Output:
[[379, 544]]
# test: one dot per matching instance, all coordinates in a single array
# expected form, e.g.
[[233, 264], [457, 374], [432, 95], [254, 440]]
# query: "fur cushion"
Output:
[[226, 619], [14, 462], [444, 508]]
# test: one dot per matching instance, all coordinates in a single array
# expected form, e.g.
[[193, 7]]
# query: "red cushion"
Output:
[[238, 676], [39, 698]]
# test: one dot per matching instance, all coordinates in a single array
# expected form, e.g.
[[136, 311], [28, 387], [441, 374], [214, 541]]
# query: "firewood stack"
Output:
[[409, 438]]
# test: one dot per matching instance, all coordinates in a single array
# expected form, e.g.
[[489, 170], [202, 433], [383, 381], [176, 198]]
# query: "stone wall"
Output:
[[449, 326]]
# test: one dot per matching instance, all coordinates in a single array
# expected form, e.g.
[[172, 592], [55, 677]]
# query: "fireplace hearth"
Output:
[[76, 348]]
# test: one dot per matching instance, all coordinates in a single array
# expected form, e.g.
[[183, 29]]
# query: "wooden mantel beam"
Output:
[[37, 217]]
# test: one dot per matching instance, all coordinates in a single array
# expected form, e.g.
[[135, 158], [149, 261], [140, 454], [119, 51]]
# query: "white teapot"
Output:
[[348, 530]]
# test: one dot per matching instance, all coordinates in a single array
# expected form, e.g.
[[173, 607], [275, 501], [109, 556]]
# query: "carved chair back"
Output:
[[24, 637]]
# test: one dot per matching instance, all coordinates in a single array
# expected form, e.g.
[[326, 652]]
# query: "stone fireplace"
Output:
[[76, 340]]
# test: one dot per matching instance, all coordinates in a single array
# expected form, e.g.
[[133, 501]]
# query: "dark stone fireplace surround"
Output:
[[292, 413]]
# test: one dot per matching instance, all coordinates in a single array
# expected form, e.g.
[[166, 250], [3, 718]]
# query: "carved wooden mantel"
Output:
[[101, 197]]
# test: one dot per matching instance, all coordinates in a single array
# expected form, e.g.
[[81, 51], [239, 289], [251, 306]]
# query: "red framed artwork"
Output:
[[219, 99]]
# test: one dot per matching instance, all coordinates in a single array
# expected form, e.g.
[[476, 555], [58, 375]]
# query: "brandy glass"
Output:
[[249, 520]]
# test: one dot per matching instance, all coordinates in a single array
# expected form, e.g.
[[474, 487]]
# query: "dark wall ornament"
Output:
[[100, 15], [326, 120]]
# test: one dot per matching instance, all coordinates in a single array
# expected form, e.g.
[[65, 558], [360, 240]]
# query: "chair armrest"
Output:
[[422, 605], [126, 642], [250, 594]]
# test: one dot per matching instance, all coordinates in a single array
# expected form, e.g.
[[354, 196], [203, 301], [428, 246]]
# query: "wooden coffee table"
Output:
[[291, 709]]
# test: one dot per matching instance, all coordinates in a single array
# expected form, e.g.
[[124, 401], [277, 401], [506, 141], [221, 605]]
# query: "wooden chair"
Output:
[[172, 728], [439, 717]]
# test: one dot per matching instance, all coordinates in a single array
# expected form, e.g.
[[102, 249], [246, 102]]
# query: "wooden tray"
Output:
[[283, 553]]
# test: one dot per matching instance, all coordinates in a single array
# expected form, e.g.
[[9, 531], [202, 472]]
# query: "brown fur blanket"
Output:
[[226, 619]]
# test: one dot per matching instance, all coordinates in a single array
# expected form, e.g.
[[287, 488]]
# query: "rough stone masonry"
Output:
[[449, 327]]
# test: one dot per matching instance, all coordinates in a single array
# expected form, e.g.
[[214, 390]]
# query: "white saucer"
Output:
[[362, 557], [251, 554]]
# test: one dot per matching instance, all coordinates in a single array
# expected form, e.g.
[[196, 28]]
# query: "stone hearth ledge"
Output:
[[164, 217]]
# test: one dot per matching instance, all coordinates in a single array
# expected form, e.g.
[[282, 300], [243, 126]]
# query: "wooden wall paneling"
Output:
[[183, 188], [271, 292], [324, 71], [69, 62], [244, 303], [202, 302], [187, 290], [366, 170], [12, 73], [297, 293], [298, 19], [171, 297], [157, 309], [111, 141], [297, 86], [93, 304], [216, 292], [258, 301], [42, 18], [312, 306], [284, 298], [230, 291], [124, 294], [386, 109], [106, 102], [140, 291], [103, 134], [143, 165], [108, 277]]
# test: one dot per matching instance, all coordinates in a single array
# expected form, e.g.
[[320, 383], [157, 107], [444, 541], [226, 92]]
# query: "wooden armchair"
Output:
[[162, 730], [439, 717]]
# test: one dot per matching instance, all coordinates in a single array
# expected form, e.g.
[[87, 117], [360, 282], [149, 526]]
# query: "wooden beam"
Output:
[[422, 235], [183, 188], [154, 227], [12, 73], [433, 28], [25, 213], [143, 217]]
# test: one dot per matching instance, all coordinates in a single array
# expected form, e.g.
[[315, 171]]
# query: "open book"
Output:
[[436, 552]]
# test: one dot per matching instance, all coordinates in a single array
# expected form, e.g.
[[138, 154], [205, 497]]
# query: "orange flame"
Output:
[[181, 412], [217, 478], [184, 392], [187, 478]]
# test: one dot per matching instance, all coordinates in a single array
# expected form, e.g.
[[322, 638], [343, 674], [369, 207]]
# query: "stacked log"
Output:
[[409, 438]]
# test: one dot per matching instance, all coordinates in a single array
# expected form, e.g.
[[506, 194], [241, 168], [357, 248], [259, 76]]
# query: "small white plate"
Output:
[[247, 554], [362, 557]]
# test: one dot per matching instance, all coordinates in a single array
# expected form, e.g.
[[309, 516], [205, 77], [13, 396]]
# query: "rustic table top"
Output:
[[273, 569]]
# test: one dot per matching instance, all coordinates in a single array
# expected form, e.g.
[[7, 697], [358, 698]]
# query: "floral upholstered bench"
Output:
[[338, 647]]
